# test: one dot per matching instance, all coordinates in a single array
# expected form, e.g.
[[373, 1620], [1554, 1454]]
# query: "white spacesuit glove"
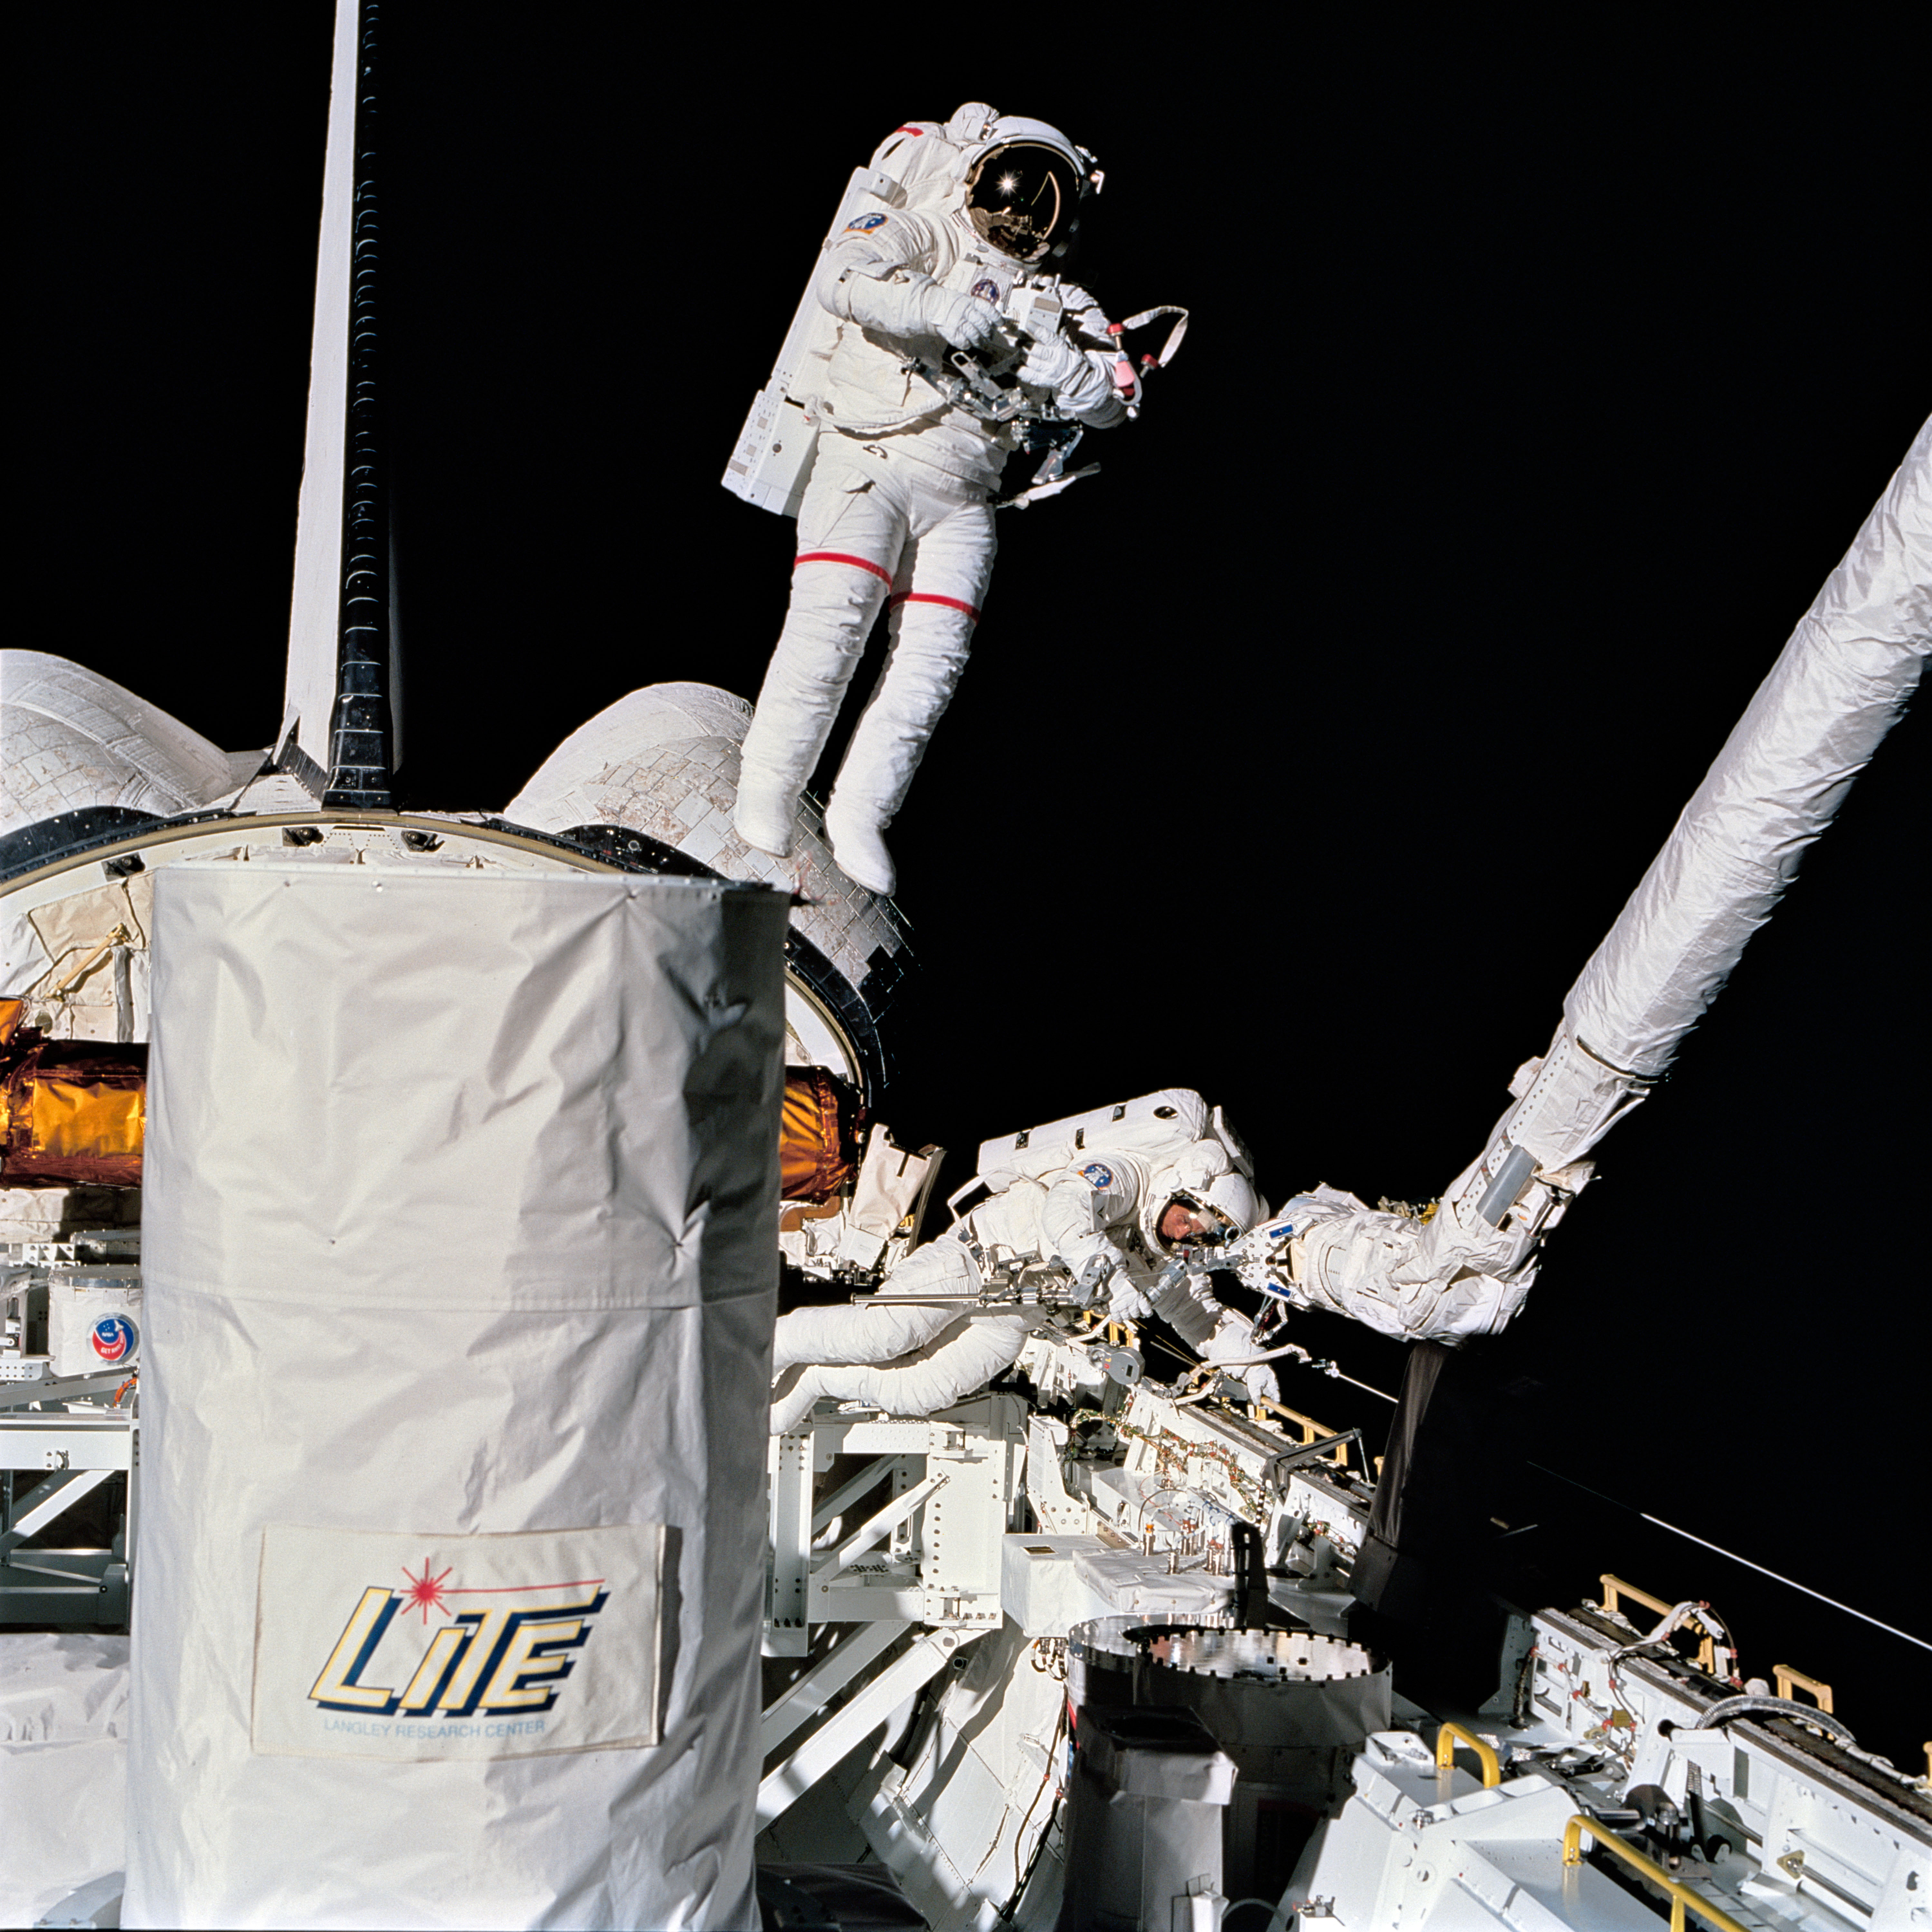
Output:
[[1233, 1340], [911, 305], [1189, 1305], [1097, 1263], [1076, 378]]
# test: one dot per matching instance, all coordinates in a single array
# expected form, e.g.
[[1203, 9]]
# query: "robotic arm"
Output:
[[1463, 1267]]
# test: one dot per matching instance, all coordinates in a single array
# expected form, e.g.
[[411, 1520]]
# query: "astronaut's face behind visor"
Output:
[[1021, 198]]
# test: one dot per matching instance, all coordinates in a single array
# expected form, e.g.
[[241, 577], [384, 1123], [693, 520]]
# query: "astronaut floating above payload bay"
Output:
[[950, 330], [1108, 1199]]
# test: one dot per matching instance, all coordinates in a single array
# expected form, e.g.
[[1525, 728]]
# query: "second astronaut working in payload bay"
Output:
[[1115, 1213], [898, 506]]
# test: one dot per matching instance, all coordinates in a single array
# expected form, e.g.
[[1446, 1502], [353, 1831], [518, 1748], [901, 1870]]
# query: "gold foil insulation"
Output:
[[76, 1111], [817, 1136]]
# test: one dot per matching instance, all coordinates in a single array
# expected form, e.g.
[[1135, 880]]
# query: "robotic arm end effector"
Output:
[[1460, 1268]]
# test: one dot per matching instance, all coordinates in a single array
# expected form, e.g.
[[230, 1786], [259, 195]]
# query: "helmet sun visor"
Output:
[[1219, 1228], [1021, 197]]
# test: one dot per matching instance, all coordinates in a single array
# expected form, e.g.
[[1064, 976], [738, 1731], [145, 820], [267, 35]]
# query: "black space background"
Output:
[[1306, 753]]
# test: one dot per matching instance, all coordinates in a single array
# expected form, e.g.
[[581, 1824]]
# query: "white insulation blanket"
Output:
[[70, 738], [460, 1260], [63, 1766]]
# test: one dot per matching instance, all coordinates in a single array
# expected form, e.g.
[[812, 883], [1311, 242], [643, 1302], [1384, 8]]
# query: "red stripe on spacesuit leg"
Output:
[[927, 597], [839, 556]]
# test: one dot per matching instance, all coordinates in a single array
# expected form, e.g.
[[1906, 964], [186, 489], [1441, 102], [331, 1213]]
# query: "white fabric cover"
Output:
[[462, 1194], [1837, 687], [663, 761], [70, 738], [63, 1765]]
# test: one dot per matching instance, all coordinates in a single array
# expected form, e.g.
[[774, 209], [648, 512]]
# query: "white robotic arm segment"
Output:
[[1568, 1100], [1464, 1268]]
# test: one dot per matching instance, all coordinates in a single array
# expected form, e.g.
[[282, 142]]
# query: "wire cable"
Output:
[[1703, 1543]]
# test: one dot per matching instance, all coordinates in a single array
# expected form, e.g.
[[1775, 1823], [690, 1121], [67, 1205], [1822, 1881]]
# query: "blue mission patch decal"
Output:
[[1101, 1176], [865, 224], [114, 1338], [372, 1645]]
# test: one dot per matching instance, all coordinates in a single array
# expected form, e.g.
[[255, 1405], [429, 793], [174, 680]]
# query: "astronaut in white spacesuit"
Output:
[[897, 508], [1112, 1218]]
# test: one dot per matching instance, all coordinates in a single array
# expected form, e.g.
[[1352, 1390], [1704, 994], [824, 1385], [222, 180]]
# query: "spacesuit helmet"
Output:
[[1023, 192], [1226, 1206]]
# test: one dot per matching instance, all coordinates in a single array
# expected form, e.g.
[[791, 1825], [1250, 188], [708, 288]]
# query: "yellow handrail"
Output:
[[1312, 1431], [1707, 1655], [1786, 1677], [1613, 1585], [1445, 1752], [1681, 1895]]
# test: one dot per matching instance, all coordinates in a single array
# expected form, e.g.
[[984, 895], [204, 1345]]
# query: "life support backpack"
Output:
[[1156, 1127], [919, 165]]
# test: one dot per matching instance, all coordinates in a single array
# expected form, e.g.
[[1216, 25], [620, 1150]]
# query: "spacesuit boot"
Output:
[[798, 703], [766, 807], [856, 832]]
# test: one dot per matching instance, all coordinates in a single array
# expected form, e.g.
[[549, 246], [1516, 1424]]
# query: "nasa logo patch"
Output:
[[865, 224], [114, 1337], [987, 291], [1101, 1176]]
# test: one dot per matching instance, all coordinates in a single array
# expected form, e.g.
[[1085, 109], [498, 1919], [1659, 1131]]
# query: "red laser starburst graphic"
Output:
[[425, 1592]]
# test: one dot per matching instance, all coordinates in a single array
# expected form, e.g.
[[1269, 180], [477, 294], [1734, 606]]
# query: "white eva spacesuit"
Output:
[[897, 508], [1111, 1215]]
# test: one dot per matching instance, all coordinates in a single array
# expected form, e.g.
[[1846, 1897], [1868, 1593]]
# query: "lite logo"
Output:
[[510, 1656]]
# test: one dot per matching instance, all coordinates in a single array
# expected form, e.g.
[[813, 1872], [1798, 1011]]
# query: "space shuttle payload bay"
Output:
[[948, 1593]]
